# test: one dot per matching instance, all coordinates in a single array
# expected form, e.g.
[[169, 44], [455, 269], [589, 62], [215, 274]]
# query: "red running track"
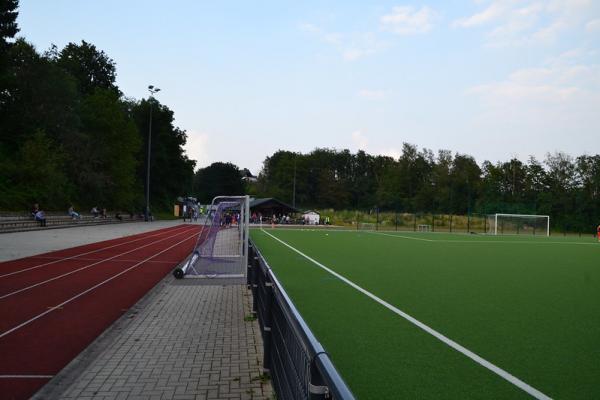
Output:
[[52, 306]]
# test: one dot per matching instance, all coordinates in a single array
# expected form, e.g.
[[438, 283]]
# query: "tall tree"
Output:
[[8, 21], [91, 68], [171, 171], [218, 179], [107, 154]]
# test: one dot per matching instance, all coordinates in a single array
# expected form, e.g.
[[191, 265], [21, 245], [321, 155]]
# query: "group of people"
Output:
[[281, 219], [229, 218], [191, 214], [95, 211], [38, 214]]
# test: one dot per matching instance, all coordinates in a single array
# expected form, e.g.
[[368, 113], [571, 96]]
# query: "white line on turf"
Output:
[[88, 252], [26, 376], [403, 237], [92, 265], [392, 233], [479, 360], [92, 288]]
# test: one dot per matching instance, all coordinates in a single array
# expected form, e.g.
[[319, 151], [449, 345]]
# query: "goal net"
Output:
[[424, 228], [222, 247], [367, 226], [515, 224]]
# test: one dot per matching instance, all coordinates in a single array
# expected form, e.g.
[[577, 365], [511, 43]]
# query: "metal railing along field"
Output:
[[297, 363]]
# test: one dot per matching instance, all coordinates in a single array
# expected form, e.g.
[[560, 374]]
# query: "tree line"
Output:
[[69, 135], [566, 188]]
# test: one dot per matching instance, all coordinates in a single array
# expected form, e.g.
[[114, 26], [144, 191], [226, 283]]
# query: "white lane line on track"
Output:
[[26, 376], [91, 265], [98, 259], [92, 288], [86, 253], [479, 360], [403, 237]]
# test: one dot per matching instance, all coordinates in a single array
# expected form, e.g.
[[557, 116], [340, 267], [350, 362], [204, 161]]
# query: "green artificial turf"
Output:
[[530, 305]]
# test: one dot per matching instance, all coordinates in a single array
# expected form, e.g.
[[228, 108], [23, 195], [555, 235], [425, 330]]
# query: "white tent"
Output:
[[311, 217]]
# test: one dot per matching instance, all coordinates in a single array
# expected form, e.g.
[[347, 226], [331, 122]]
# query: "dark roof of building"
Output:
[[266, 201]]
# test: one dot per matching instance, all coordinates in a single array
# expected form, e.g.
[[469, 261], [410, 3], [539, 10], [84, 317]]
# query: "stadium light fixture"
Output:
[[153, 90]]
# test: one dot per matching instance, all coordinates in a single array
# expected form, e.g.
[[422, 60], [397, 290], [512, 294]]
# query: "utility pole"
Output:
[[294, 193], [153, 90]]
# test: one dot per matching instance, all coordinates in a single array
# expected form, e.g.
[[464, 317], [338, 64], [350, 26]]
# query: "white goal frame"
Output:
[[495, 216], [424, 228], [239, 260]]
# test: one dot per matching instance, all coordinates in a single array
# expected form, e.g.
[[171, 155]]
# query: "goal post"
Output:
[[527, 224], [221, 249]]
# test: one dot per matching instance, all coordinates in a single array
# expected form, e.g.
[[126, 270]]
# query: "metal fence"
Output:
[[297, 363], [400, 221]]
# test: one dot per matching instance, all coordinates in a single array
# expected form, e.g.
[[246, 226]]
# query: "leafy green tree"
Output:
[[107, 153], [216, 180], [8, 30], [41, 96], [91, 68], [40, 176], [171, 171], [8, 21], [465, 176]]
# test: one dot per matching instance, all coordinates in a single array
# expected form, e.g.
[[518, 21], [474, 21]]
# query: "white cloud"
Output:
[[593, 26], [559, 97], [405, 20], [530, 22], [372, 94], [310, 28], [197, 148], [353, 54], [491, 13], [391, 152], [351, 47], [359, 141]]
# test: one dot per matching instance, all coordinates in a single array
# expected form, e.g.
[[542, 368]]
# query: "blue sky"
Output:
[[491, 78]]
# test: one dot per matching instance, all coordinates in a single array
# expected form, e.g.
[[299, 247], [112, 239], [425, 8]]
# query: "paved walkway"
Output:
[[185, 340], [24, 244]]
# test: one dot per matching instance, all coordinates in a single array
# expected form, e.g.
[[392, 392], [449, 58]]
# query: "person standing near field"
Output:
[[598, 232]]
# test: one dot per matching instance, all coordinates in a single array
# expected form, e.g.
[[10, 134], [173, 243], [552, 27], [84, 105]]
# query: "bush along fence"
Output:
[[375, 219], [296, 362]]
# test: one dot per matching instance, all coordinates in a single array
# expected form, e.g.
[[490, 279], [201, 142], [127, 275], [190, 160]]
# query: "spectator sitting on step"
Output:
[[118, 216], [72, 213], [103, 213], [94, 211], [34, 210], [40, 216]]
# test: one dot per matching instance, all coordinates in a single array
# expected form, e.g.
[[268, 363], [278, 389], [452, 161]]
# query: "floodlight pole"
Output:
[[153, 90], [294, 190]]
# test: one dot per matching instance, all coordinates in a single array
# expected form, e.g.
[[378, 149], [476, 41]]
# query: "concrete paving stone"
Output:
[[186, 342]]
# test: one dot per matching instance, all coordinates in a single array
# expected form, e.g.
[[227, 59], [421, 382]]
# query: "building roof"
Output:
[[271, 202]]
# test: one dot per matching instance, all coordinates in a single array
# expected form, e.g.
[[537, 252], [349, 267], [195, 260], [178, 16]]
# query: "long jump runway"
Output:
[[52, 306]]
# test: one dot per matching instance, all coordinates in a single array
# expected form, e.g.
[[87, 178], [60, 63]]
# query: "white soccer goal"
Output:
[[367, 226], [222, 246], [503, 224], [424, 228]]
